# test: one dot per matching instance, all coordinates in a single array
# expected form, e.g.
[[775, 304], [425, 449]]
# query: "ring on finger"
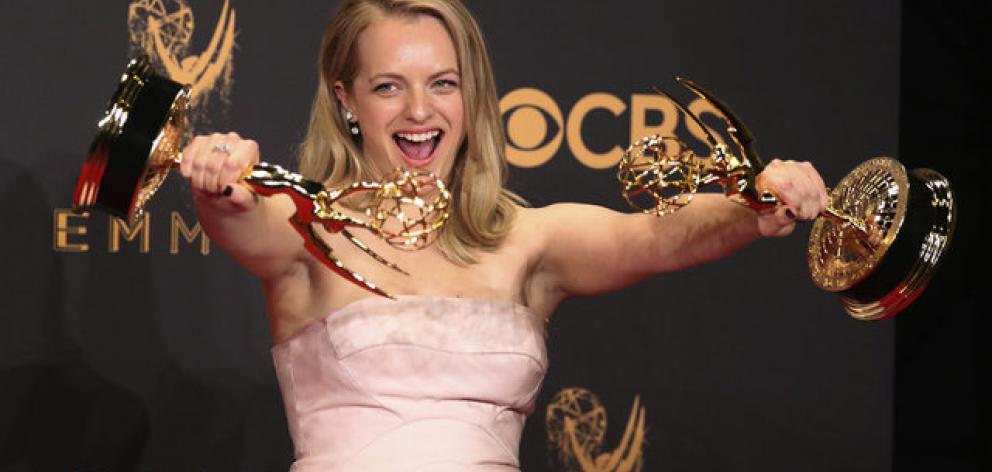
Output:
[[222, 147]]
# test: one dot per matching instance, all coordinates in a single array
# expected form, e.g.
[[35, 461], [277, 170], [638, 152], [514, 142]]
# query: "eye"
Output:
[[385, 88], [446, 84]]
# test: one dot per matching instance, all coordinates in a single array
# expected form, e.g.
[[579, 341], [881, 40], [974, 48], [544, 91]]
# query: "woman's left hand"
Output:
[[800, 191]]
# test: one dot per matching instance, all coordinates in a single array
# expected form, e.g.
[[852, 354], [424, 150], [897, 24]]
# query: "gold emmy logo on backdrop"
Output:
[[163, 30], [576, 425]]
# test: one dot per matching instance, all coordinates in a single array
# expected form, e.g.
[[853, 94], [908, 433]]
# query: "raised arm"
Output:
[[588, 249], [253, 229]]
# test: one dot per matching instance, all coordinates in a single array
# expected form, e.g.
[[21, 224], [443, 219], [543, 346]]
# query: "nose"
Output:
[[418, 106]]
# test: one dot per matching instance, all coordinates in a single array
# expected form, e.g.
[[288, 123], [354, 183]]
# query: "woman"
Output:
[[444, 376]]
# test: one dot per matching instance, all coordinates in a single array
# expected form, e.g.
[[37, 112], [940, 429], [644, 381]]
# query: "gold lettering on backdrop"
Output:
[[130, 232], [640, 105], [68, 233], [574, 130], [529, 112], [576, 425], [61, 230], [179, 227], [526, 127], [163, 29]]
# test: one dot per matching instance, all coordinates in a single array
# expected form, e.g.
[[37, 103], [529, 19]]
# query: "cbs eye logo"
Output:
[[527, 127], [536, 127]]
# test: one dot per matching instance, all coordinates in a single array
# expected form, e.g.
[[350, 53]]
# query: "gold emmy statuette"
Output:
[[877, 244], [139, 139]]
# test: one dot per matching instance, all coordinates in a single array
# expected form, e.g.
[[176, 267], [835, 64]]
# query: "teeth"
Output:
[[419, 137]]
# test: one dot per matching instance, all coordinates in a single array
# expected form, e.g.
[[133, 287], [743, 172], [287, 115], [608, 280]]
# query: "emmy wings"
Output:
[[404, 210]]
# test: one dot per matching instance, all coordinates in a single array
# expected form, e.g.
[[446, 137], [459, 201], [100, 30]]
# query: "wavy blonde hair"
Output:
[[483, 209]]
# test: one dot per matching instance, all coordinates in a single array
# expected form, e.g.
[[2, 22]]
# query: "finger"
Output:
[[817, 196], [225, 155], [220, 151], [244, 153], [785, 215], [783, 188], [778, 223], [796, 187], [807, 196], [189, 154], [809, 189], [196, 164], [240, 196]]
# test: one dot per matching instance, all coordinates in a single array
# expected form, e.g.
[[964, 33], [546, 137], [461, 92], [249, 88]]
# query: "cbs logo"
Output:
[[526, 113]]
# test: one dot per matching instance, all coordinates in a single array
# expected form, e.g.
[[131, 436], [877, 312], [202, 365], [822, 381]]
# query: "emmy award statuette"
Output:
[[139, 140], [877, 244]]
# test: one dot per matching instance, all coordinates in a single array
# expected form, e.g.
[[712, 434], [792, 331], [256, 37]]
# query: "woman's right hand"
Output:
[[214, 165]]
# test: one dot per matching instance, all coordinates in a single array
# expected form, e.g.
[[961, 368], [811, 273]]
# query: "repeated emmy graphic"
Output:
[[163, 31], [576, 425]]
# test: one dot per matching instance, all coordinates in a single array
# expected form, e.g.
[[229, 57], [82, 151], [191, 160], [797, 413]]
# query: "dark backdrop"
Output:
[[156, 361], [942, 416]]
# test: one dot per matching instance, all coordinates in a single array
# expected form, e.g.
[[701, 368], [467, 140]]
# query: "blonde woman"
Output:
[[443, 377]]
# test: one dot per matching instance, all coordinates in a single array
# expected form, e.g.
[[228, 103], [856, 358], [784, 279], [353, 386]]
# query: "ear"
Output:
[[342, 94]]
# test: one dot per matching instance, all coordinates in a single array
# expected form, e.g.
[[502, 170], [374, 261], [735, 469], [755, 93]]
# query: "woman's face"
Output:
[[407, 96]]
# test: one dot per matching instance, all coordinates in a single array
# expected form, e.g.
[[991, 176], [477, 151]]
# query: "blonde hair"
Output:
[[483, 210]]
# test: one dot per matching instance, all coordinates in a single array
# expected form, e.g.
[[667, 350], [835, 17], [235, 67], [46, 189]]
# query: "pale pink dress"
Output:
[[414, 384]]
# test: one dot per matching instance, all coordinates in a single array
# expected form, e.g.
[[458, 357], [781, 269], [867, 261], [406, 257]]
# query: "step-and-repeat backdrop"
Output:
[[146, 348]]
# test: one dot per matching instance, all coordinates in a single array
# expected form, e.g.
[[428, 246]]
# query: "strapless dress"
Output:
[[413, 384]]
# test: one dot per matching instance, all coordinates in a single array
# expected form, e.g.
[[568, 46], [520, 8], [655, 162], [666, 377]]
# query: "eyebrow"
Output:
[[391, 75]]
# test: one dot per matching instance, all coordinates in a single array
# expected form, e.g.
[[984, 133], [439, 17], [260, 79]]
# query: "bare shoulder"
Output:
[[558, 218], [535, 225], [541, 217]]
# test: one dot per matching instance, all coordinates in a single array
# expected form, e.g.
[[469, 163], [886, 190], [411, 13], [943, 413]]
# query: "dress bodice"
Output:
[[416, 383]]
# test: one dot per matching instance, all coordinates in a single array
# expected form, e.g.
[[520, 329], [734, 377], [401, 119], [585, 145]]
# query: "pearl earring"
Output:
[[354, 123]]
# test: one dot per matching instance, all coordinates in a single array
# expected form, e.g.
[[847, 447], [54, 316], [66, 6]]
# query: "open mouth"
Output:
[[418, 148]]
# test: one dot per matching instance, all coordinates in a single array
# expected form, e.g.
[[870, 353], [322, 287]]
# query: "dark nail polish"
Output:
[[228, 191], [788, 212]]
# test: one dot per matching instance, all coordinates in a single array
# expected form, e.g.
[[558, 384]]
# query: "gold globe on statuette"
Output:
[[878, 243], [139, 140]]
